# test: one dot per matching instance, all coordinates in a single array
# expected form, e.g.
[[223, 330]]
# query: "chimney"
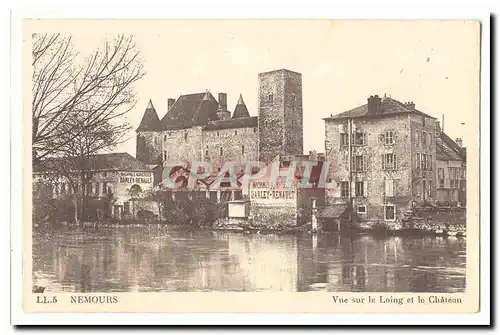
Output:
[[170, 103], [459, 142], [410, 105], [374, 105], [438, 128], [223, 101]]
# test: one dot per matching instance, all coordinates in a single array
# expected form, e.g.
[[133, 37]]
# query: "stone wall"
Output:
[[273, 216], [148, 147], [280, 117], [182, 144], [421, 124], [231, 142], [374, 177]]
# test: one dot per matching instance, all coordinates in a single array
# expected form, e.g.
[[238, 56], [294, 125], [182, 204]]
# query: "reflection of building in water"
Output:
[[268, 262]]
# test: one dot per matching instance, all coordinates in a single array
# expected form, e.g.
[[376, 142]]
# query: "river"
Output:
[[154, 259]]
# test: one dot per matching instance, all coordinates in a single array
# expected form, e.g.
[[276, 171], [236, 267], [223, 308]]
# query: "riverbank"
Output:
[[229, 226]]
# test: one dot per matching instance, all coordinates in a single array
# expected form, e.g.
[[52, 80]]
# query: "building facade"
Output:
[[114, 178], [199, 127], [451, 171], [382, 159]]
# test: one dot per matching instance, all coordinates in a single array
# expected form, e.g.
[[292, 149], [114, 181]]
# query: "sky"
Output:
[[435, 64]]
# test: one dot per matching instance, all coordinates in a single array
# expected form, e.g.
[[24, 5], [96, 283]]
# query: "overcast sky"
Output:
[[435, 64]]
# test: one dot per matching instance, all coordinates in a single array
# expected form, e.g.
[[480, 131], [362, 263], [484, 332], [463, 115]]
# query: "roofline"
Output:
[[280, 70], [333, 118]]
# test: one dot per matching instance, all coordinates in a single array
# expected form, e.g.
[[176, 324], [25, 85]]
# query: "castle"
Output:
[[197, 127]]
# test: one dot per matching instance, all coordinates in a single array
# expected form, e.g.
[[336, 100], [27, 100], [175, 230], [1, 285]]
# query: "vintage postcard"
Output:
[[271, 166]]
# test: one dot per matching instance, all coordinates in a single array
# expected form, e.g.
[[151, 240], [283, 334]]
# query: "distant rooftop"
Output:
[[388, 107], [112, 161], [189, 110]]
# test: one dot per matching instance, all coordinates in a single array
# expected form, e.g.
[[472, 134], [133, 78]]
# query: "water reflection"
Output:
[[154, 259]]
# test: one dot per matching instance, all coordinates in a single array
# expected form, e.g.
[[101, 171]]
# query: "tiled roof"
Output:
[[112, 161], [389, 106], [189, 110], [243, 122], [333, 211], [241, 109], [150, 120], [447, 149]]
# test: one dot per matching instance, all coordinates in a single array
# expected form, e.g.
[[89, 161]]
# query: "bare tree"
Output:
[[100, 88]]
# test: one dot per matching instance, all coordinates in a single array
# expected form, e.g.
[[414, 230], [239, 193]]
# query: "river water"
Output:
[[151, 259]]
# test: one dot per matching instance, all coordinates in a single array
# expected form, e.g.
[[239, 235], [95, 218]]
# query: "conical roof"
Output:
[[150, 120], [241, 109]]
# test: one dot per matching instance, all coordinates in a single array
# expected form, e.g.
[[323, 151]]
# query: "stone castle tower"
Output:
[[280, 114], [147, 149]]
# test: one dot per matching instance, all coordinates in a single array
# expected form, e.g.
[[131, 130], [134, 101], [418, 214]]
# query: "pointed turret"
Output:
[[241, 109], [150, 120]]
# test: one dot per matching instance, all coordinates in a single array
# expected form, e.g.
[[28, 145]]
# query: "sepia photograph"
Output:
[[148, 177], [263, 156]]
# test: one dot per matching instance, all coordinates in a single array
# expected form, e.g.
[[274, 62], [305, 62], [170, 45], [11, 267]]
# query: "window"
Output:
[[164, 138], [236, 132], [270, 98], [360, 189], [344, 189], [63, 188], [206, 152], [126, 207], [254, 130], [441, 177], [390, 212], [389, 137], [454, 174], [165, 155], [242, 149], [361, 209], [89, 188], [418, 162], [423, 165], [429, 162], [104, 188], [389, 187], [389, 162], [221, 151], [424, 138], [429, 189], [97, 188], [292, 99], [417, 138], [105, 174], [344, 139], [359, 163], [185, 136], [217, 133], [359, 139]]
